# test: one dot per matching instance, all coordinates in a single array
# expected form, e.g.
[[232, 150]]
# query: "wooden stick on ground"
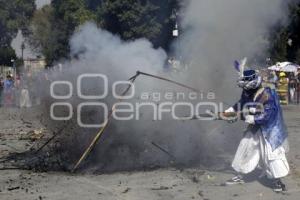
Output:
[[50, 139]]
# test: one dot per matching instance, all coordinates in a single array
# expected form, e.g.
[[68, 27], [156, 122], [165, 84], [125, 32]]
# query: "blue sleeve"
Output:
[[269, 108], [239, 105], [236, 106]]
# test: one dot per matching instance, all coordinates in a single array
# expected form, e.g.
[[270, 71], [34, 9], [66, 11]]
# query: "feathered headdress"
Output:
[[240, 66]]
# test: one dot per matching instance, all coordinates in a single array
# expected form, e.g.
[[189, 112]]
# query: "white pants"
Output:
[[25, 99], [254, 150]]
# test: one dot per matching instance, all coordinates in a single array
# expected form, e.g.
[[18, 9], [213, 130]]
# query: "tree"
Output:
[[293, 32], [48, 35], [72, 12], [6, 55], [53, 26], [279, 47], [133, 19], [41, 29], [14, 15]]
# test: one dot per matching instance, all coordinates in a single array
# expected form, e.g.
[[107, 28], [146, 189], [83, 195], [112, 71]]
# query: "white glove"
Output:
[[252, 110], [230, 110], [230, 120], [249, 119]]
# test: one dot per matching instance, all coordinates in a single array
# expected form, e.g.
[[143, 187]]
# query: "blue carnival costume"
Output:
[[270, 120], [264, 141]]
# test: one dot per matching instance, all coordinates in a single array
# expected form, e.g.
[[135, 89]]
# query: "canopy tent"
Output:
[[285, 67]]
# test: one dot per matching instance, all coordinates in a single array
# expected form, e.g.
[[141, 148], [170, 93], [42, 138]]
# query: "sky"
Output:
[[41, 3]]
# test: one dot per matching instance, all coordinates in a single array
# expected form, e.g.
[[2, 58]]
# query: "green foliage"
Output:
[[41, 28], [6, 55], [133, 19], [14, 15], [293, 31], [48, 35], [279, 48], [53, 26], [72, 12]]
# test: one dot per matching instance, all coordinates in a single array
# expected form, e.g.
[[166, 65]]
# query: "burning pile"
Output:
[[60, 151]]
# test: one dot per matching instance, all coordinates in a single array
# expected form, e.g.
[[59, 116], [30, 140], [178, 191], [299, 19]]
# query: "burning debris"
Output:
[[101, 131], [33, 135], [52, 159], [52, 156]]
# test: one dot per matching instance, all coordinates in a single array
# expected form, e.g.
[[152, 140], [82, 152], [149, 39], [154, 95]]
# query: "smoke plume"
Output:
[[213, 34], [216, 32]]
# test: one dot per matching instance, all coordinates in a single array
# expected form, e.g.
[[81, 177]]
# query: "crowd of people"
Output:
[[21, 90]]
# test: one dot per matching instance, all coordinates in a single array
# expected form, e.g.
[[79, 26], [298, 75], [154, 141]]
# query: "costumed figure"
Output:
[[264, 144]]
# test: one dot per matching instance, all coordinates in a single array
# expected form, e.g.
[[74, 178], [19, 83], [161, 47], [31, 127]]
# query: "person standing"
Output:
[[25, 100], [293, 89], [8, 91], [283, 88], [264, 143]]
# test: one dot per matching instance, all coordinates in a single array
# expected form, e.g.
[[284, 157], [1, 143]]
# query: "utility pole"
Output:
[[23, 48], [14, 68]]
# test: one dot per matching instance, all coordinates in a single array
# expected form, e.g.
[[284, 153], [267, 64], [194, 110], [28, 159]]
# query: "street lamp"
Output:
[[175, 31], [23, 48], [14, 68], [13, 62], [174, 17], [290, 42]]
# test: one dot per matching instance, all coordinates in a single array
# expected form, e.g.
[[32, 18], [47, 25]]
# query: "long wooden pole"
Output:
[[101, 131], [168, 80]]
